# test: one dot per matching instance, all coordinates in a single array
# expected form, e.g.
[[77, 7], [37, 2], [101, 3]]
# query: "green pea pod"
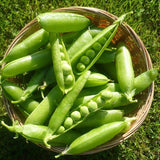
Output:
[[61, 22], [27, 46], [14, 92], [32, 62], [46, 106], [125, 71], [101, 117], [33, 84], [90, 53], [96, 137], [96, 79], [94, 31], [82, 40], [144, 80], [61, 64], [67, 102]]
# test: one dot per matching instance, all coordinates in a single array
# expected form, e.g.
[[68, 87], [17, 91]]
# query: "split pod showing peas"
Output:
[[29, 45], [61, 63], [90, 53], [61, 22]]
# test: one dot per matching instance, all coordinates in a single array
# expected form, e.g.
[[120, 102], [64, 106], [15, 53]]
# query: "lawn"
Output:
[[145, 143]]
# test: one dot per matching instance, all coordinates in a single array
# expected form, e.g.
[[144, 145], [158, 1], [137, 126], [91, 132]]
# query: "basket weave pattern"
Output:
[[140, 57]]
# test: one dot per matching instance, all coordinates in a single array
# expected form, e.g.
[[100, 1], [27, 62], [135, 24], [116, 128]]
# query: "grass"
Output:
[[145, 143]]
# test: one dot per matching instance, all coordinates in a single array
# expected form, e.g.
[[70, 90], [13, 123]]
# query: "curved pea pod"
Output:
[[61, 22], [101, 117], [61, 64], [28, 63], [125, 71], [14, 92], [96, 137], [28, 45], [82, 40], [46, 106], [90, 53], [96, 79], [67, 102], [33, 84], [144, 80]]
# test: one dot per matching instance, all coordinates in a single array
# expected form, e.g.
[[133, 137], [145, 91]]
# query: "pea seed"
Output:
[[75, 115], [84, 110], [106, 95], [66, 68], [97, 46], [103, 40], [92, 105], [61, 47], [85, 60], [100, 101], [90, 53], [68, 79], [62, 55], [60, 130], [68, 122], [81, 67]]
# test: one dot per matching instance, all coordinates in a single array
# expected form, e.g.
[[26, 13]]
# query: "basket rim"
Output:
[[140, 44]]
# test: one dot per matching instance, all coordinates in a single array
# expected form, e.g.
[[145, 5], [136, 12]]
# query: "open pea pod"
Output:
[[61, 63], [90, 53]]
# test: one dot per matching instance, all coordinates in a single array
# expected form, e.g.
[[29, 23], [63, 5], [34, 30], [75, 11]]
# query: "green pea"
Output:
[[97, 46], [102, 40], [60, 130], [60, 47], [84, 110], [106, 95], [81, 67], [75, 115], [92, 106], [66, 68], [85, 60], [90, 53], [62, 55], [68, 122], [68, 79], [100, 101]]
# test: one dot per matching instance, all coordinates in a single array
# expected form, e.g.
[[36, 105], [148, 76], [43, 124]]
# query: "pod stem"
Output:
[[61, 154]]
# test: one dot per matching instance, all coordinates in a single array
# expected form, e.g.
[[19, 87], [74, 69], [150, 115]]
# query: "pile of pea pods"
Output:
[[75, 87]]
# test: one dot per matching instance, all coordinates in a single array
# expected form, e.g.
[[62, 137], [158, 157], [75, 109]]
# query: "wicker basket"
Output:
[[140, 57]]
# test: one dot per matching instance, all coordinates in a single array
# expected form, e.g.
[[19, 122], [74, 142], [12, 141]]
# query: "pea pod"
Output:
[[47, 106], [35, 61], [14, 92], [96, 137], [125, 71], [67, 102], [144, 80], [96, 79], [84, 38], [61, 64], [55, 22], [33, 84], [90, 53], [101, 117], [27, 46]]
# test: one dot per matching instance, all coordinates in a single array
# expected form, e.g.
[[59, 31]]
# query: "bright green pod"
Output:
[[144, 80], [29, 45], [28, 63], [61, 64], [124, 70], [61, 22], [96, 79]]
